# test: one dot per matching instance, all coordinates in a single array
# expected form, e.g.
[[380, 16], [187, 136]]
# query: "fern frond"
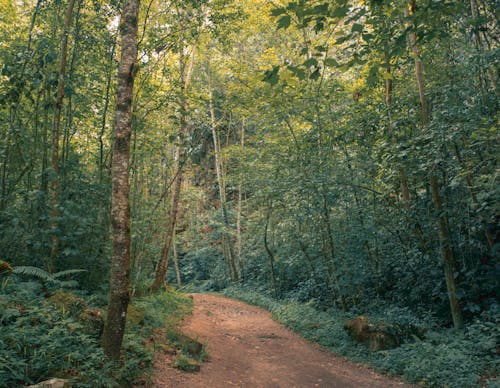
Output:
[[33, 271], [68, 272], [67, 283]]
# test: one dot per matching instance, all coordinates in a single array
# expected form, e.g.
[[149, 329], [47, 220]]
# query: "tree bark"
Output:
[[54, 192], [240, 200], [185, 69], [176, 264], [119, 294], [219, 168], [444, 237], [270, 253]]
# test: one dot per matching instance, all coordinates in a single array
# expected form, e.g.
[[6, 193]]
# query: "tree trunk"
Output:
[[240, 200], [54, 192], [270, 253], [161, 271], [226, 240], [176, 264], [444, 238], [185, 69], [119, 294]]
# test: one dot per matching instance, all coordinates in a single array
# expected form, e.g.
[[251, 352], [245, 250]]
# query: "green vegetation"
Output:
[[441, 358], [336, 156], [58, 335]]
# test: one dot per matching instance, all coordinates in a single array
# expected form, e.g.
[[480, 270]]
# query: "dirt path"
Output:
[[248, 349]]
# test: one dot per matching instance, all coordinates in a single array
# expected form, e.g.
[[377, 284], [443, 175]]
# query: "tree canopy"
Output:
[[342, 154]]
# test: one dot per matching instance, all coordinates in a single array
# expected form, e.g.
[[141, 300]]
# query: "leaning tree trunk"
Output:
[[54, 192], [186, 70], [161, 271], [119, 294], [444, 237]]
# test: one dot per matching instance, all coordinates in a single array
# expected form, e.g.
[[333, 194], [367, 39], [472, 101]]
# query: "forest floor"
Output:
[[248, 349]]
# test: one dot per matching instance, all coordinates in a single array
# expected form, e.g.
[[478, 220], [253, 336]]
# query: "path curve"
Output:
[[248, 349]]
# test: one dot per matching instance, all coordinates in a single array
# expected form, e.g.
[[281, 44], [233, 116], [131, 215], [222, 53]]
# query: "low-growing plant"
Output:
[[42, 338], [439, 358]]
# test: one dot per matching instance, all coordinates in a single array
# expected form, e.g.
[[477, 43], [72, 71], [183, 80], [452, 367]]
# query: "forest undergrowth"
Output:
[[48, 332], [438, 357]]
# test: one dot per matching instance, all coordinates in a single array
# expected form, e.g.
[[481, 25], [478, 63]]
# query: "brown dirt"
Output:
[[248, 349]]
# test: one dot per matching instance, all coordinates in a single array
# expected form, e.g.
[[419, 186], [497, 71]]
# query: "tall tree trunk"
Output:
[[5, 135], [219, 168], [68, 127], [185, 69], [161, 271], [119, 294], [176, 263], [105, 111], [444, 237], [240, 200], [270, 253], [331, 267], [54, 192]]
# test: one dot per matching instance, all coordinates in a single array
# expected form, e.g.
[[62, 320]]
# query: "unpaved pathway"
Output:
[[248, 349]]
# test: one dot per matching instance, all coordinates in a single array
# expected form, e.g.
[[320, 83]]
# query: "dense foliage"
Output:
[[336, 154], [58, 335]]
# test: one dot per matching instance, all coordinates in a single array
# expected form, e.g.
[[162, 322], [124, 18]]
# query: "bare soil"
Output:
[[248, 349]]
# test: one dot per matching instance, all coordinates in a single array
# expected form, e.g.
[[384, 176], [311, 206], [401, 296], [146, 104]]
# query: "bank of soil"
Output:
[[248, 349]]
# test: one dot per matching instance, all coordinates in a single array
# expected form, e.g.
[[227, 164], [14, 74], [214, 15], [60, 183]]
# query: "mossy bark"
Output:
[[119, 294]]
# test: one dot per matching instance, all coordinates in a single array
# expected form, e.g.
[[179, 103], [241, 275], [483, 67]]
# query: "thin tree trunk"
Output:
[[54, 192], [228, 246], [119, 294], [270, 253], [105, 111], [444, 237], [69, 109], [185, 78], [331, 247], [176, 264], [240, 200], [161, 271]]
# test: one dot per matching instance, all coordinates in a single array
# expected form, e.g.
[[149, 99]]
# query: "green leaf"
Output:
[[272, 76], [298, 72], [343, 39], [315, 74], [284, 21], [310, 62], [331, 62], [319, 9], [278, 11], [340, 12], [356, 27]]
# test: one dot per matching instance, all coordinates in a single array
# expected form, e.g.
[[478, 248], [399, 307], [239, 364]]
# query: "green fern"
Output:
[[67, 272], [48, 277], [35, 272]]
